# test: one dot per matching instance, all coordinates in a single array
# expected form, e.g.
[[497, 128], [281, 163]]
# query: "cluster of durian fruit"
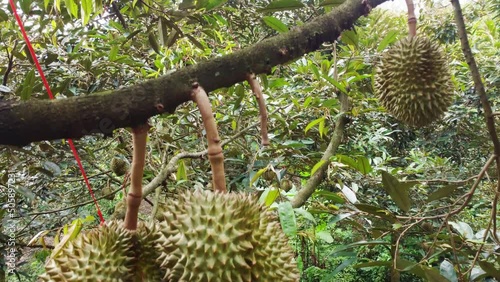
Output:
[[413, 81], [202, 236]]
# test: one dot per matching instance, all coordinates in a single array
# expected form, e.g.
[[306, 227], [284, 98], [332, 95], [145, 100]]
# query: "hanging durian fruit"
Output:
[[224, 237], [413, 82], [107, 253], [119, 166]]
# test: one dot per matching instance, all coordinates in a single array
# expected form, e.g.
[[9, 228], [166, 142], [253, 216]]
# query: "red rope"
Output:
[[49, 92]]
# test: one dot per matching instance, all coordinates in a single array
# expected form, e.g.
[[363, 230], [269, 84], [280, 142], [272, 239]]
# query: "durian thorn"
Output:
[[215, 156], [139, 140], [257, 91]]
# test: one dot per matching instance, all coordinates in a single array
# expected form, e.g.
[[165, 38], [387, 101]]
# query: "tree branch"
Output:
[[24, 122]]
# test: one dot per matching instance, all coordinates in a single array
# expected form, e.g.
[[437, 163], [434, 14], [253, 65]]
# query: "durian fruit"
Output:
[[286, 185], [413, 82], [102, 254], [269, 175], [148, 251], [211, 236], [107, 191], [109, 253], [119, 166]]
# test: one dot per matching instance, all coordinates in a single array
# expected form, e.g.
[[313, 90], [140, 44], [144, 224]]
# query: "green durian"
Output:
[[109, 253], [413, 81], [103, 254], [119, 166], [148, 252], [223, 237]]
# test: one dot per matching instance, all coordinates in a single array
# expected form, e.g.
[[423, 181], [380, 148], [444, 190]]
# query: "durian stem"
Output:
[[412, 19], [257, 91], [215, 156], [134, 197]]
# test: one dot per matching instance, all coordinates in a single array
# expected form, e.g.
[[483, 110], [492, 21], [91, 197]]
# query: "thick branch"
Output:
[[25, 122]]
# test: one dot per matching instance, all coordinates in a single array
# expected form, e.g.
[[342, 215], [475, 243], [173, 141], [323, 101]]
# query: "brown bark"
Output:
[[35, 120]]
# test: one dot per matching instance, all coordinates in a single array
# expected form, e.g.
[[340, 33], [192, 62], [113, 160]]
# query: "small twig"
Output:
[[257, 91], [67, 208], [215, 156]]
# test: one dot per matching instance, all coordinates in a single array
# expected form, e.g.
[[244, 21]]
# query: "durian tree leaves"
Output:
[[331, 196], [269, 196], [281, 5], [360, 163], [490, 269], [275, 24], [287, 219], [350, 37], [398, 191], [388, 39], [442, 192]]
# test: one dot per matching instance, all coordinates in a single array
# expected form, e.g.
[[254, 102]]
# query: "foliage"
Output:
[[357, 212]]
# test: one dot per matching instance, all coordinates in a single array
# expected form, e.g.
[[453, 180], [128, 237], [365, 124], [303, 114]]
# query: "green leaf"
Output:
[[269, 196], [281, 5], [335, 83], [153, 42], [113, 52], [209, 4], [334, 197], [325, 236], [163, 31], [257, 175], [331, 2], [433, 275], [187, 4], [388, 39], [181, 171], [317, 166], [275, 24], [301, 211], [447, 270], [3, 16], [87, 9], [313, 123], [350, 37], [287, 219], [361, 163], [372, 264], [195, 42], [28, 83], [98, 7], [490, 269], [72, 8], [397, 191], [57, 4], [442, 192], [341, 267]]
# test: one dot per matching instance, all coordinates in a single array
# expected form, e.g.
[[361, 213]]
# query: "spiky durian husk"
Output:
[[102, 254], [413, 81], [148, 252], [119, 166], [224, 237]]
